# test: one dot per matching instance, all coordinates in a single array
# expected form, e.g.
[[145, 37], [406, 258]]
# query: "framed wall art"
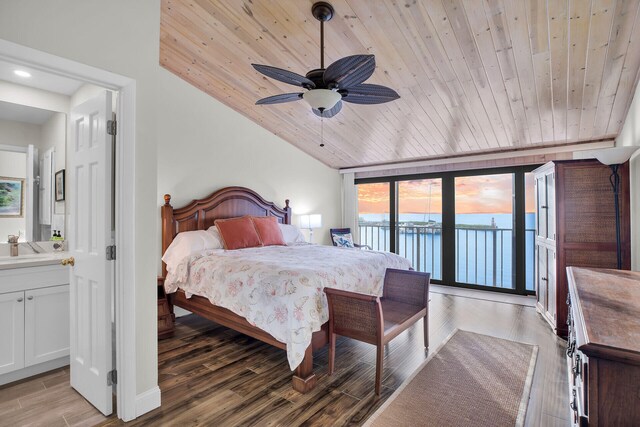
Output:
[[11, 197], [59, 186]]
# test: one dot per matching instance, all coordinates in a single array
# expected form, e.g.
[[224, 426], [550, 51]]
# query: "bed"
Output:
[[285, 309]]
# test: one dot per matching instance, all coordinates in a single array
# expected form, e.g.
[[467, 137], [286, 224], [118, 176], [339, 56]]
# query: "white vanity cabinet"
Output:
[[11, 331], [46, 324], [34, 321]]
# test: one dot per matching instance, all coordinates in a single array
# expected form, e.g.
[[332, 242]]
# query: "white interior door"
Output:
[[89, 189]]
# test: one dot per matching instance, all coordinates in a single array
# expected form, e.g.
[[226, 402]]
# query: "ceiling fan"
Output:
[[327, 88]]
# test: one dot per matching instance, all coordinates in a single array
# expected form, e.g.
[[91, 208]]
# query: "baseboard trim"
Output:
[[147, 401], [34, 370]]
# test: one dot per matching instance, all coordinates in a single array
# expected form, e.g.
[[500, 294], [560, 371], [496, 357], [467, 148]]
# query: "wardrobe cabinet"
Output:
[[575, 226]]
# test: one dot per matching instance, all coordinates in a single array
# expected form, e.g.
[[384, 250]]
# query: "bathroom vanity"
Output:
[[34, 315]]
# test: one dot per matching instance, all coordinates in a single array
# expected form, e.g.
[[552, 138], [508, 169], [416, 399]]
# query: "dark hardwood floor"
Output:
[[210, 375]]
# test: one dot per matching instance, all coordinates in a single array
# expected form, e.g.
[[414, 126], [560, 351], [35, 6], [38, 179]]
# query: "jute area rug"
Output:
[[470, 380]]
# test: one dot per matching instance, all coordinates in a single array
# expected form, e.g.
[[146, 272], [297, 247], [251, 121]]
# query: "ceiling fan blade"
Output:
[[350, 71], [328, 113], [284, 76], [368, 94], [279, 99]]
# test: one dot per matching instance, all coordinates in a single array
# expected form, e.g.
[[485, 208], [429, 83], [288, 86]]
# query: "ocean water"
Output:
[[483, 256]]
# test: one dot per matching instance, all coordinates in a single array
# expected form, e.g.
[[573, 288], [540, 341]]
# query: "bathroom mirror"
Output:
[[32, 152]]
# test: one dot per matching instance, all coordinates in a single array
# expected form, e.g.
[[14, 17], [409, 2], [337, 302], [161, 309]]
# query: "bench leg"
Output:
[[332, 352], [379, 358], [426, 330]]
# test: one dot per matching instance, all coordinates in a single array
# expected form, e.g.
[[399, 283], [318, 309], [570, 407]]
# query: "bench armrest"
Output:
[[409, 287], [353, 314]]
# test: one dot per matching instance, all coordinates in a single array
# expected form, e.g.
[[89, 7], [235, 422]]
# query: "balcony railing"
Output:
[[484, 255]]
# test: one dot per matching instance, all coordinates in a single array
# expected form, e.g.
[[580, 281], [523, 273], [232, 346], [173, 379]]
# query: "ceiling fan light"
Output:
[[322, 99]]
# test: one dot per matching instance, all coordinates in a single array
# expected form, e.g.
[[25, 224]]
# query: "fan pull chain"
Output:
[[322, 131]]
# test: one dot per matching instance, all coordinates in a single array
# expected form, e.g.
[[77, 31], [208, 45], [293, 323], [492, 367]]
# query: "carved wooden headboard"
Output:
[[228, 202]]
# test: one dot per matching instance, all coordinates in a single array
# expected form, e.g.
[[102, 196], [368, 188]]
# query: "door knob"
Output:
[[70, 261]]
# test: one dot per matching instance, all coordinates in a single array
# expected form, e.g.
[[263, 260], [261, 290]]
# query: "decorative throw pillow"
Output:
[[238, 233], [343, 240], [268, 230]]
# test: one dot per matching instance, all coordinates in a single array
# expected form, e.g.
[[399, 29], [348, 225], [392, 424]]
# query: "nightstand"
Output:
[[165, 318]]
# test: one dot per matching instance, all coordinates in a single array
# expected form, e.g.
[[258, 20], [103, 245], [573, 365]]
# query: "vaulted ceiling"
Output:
[[473, 75]]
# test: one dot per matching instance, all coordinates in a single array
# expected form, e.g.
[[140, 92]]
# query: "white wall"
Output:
[[19, 134], [176, 126], [13, 165], [214, 147], [32, 97], [630, 135]]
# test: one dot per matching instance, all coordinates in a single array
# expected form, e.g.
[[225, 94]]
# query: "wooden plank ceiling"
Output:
[[473, 75]]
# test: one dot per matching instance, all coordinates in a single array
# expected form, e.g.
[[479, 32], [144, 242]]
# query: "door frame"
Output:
[[125, 263]]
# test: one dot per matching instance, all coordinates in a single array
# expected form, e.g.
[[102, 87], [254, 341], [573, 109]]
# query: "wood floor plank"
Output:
[[8, 406], [210, 375]]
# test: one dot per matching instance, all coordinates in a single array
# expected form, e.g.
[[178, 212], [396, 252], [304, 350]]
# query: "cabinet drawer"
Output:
[[163, 308], [21, 279], [165, 324]]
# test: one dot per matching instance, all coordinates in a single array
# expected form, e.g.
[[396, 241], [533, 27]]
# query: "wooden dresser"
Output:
[[575, 226], [603, 349]]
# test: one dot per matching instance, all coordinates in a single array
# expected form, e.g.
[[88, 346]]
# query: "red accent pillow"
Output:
[[238, 233], [268, 230]]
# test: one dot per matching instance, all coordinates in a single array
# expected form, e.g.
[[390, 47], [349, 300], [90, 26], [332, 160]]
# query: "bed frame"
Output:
[[200, 214]]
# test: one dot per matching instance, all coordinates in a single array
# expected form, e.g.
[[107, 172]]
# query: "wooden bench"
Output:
[[377, 320]]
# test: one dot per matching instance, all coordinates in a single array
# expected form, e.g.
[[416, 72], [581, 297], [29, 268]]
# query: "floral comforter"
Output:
[[279, 288]]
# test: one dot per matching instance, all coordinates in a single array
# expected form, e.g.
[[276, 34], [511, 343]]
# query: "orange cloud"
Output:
[[373, 198], [484, 194], [474, 194], [420, 196]]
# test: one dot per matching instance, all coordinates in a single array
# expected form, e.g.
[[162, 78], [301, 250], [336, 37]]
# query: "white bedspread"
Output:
[[279, 288]]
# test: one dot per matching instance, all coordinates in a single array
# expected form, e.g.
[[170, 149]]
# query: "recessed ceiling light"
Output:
[[22, 73]]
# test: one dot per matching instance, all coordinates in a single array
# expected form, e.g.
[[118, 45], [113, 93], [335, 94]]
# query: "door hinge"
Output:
[[111, 253], [112, 377], [112, 127]]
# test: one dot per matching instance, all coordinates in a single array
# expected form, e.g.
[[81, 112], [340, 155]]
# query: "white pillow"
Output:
[[189, 243], [291, 234], [216, 234]]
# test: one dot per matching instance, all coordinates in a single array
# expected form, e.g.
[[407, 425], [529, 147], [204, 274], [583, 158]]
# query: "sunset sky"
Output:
[[474, 194]]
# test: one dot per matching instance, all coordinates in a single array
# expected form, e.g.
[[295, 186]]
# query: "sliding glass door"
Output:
[[419, 224], [468, 228], [484, 230], [530, 231], [374, 215]]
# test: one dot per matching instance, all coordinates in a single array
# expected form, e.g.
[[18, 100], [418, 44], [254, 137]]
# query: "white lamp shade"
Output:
[[311, 221], [315, 221], [322, 98], [615, 155]]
